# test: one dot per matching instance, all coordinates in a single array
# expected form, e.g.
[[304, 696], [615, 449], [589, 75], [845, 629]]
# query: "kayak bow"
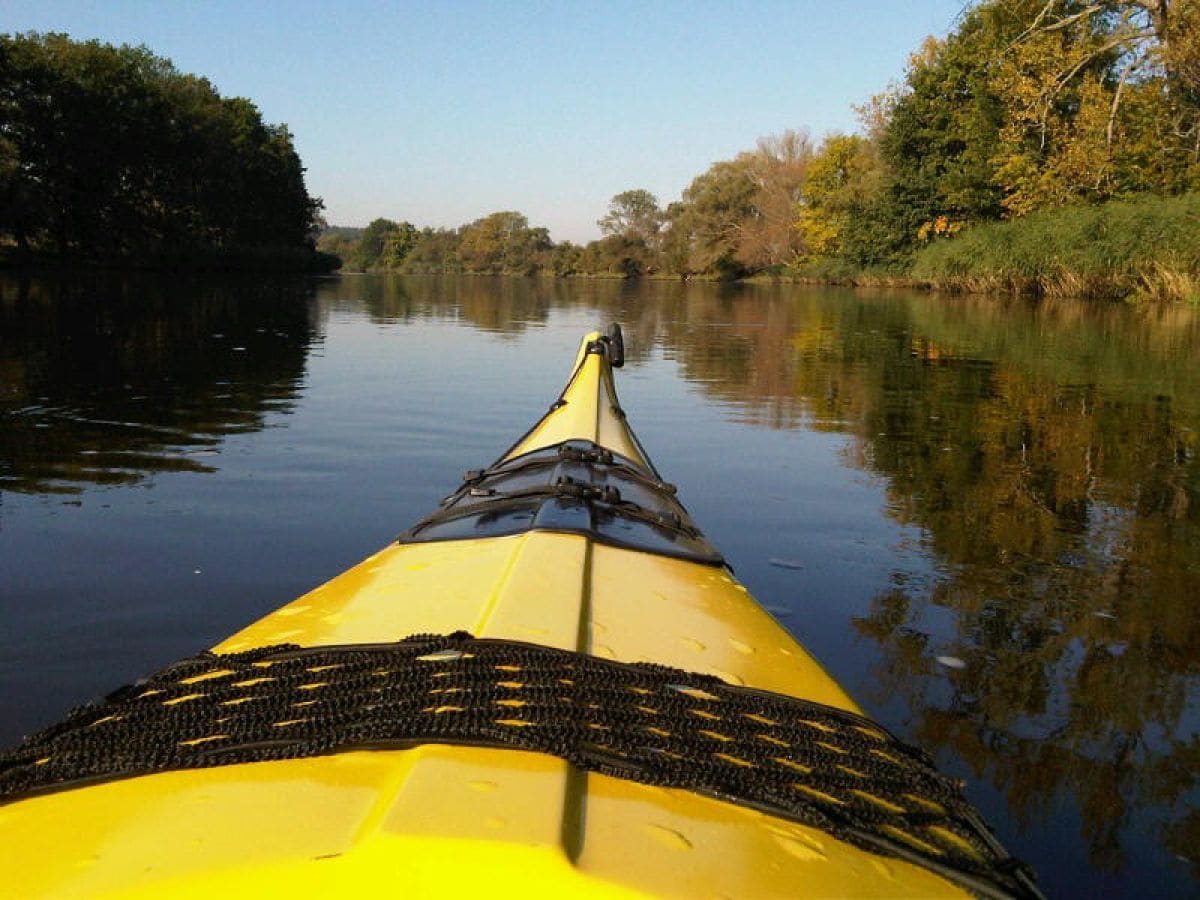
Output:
[[574, 546]]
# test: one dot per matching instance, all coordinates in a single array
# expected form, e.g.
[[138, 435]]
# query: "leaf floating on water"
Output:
[[785, 563], [951, 662]]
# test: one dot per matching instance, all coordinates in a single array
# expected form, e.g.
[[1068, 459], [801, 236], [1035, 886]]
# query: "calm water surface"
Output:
[[982, 515]]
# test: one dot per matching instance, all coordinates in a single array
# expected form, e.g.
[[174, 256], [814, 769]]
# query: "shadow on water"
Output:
[[109, 379]]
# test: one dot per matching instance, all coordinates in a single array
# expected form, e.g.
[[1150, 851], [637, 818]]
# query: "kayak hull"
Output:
[[437, 820]]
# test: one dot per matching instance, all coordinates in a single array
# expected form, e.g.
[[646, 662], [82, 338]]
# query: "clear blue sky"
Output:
[[442, 112]]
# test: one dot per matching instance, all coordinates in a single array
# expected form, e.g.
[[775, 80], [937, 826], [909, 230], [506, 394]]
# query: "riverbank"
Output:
[[1146, 248], [1160, 284], [1157, 283]]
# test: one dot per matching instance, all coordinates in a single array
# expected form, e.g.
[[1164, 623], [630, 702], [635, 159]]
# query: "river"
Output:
[[982, 514]]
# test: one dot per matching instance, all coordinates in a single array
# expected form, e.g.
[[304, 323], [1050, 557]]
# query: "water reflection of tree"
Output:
[[1066, 517], [106, 380], [1048, 454], [508, 306]]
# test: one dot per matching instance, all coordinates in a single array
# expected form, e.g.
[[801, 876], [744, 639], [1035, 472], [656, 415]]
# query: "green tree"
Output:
[[706, 228], [120, 156], [369, 251], [399, 245], [434, 253], [632, 229], [617, 254], [937, 145], [634, 214], [502, 243], [563, 259]]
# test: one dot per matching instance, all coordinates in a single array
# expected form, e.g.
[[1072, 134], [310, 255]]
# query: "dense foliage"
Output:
[[109, 154], [1027, 107]]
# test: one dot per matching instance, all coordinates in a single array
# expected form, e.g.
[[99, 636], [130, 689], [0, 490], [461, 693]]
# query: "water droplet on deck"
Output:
[[668, 837], [883, 869], [692, 644], [796, 846], [741, 647], [483, 786]]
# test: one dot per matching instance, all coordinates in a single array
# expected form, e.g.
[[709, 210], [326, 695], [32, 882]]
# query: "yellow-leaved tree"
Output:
[[1100, 99]]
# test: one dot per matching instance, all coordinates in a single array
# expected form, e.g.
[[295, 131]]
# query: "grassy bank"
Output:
[[1145, 247]]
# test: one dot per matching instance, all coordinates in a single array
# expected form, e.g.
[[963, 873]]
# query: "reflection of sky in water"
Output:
[[897, 478]]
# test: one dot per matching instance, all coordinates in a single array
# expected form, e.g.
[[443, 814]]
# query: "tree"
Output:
[[632, 230], [399, 244], [120, 156], [563, 259], [434, 253], [941, 131], [841, 180], [500, 243], [617, 254], [1103, 98], [633, 214], [371, 248], [778, 167], [710, 221]]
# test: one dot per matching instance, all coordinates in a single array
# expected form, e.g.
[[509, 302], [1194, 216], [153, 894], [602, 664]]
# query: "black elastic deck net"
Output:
[[792, 758]]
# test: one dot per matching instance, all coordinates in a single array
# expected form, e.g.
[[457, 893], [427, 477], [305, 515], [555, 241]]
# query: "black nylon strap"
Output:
[[792, 758]]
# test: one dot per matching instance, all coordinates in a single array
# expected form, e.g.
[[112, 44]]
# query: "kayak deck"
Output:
[[441, 820]]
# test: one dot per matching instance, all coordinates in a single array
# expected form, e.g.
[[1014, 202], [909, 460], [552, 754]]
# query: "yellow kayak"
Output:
[[570, 554]]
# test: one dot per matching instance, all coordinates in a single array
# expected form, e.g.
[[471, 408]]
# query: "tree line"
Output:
[[1027, 106], [110, 155]]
